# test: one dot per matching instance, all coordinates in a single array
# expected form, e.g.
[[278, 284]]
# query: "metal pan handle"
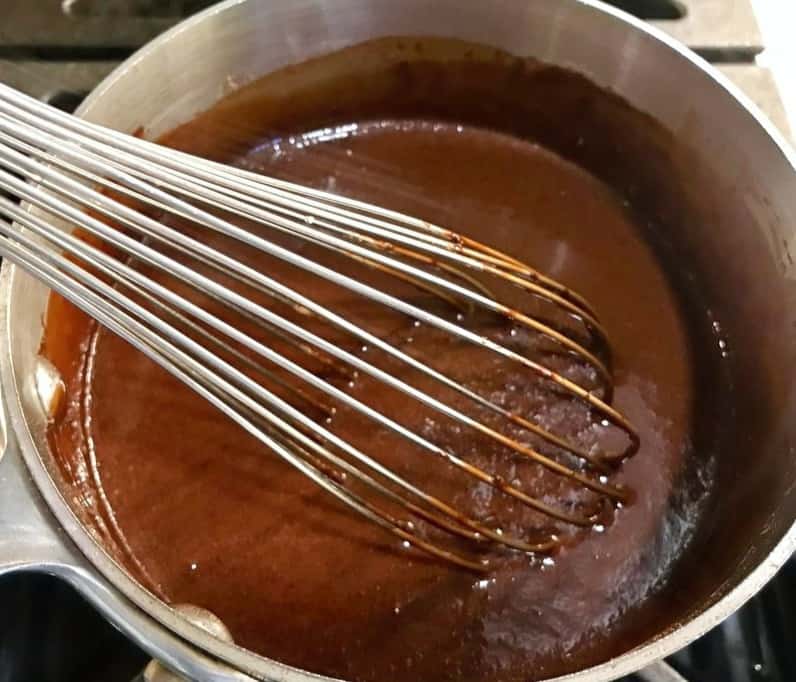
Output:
[[29, 535]]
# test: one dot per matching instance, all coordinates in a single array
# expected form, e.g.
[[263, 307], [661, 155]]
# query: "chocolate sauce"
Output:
[[199, 512]]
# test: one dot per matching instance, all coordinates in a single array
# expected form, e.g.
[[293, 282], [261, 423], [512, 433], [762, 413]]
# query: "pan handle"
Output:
[[29, 535]]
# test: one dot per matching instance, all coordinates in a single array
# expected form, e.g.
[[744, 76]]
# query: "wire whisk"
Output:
[[276, 375]]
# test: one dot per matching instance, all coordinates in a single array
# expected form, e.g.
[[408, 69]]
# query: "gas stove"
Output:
[[58, 50]]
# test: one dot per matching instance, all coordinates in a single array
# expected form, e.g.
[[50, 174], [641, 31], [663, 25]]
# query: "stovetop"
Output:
[[57, 50]]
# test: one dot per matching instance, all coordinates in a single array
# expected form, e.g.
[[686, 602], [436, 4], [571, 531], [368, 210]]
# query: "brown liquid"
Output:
[[201, 513]]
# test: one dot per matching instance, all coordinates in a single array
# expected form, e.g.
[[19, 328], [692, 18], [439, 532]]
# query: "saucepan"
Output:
[[740, 181]]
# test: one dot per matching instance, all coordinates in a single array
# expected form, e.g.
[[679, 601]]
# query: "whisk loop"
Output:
[[110, 185]]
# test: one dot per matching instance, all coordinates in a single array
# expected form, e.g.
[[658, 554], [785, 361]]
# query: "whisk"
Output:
[[116, 188]]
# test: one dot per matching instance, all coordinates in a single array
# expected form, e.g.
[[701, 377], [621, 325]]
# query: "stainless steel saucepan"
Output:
[[745, 243]]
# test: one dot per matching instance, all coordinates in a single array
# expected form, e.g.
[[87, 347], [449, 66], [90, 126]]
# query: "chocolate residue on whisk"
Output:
[[499, 149]]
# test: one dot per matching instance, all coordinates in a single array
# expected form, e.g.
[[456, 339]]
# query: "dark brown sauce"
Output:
[[199, 513]]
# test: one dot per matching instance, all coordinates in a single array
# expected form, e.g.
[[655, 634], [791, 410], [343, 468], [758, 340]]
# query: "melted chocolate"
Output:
[[201, 513]]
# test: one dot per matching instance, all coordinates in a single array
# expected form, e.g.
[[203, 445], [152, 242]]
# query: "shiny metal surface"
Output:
[[102, 24], [165, 84]]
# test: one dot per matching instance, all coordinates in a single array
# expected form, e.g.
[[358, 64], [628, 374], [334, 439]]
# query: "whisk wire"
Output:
[[124, 273], [135, 220], [178, 181], [74, 170], [240, 303], [231, 178]]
